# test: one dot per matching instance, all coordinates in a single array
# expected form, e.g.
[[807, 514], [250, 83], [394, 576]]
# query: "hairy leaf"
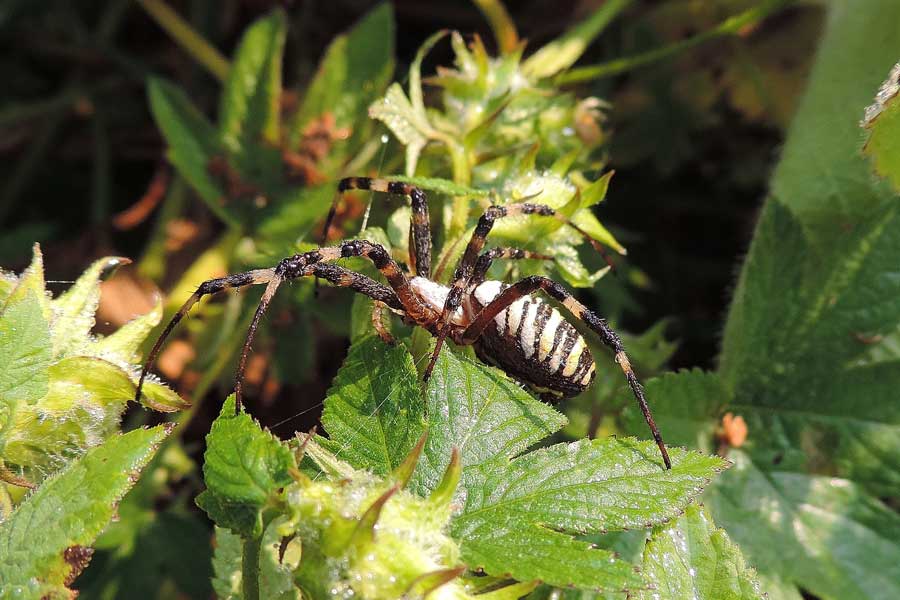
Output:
[[484, 414], [523, 512], [25, 353], [690, 558], [411, 126], [74, 310], [373, 411], [70, 509], [244, 469]]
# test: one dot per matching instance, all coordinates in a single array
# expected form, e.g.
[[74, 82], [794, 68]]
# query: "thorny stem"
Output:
[[729, 26], [187, 37]]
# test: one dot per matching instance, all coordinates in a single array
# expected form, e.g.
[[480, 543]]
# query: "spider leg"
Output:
[[400, 298], [487, 258], [212, 286], [378, 324], [337, 275], [419, 227], [466, 266], [581, 312]]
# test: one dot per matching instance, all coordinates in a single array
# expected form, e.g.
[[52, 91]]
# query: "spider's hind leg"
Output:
[[578, 310]]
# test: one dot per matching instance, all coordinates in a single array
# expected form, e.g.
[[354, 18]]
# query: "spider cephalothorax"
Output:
[[506, 324]]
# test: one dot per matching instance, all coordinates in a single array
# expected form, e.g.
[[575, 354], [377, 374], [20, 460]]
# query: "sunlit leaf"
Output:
[[62, 519], [690, 558], [244, 468]]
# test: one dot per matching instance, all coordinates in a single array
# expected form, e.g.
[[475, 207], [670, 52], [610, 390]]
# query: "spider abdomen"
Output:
[[534, 343]]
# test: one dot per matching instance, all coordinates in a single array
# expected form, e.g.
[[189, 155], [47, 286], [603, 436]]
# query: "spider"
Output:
[[508, 325]]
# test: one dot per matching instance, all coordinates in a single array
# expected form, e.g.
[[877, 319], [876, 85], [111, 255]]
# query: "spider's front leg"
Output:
[[420, 223], [399, 299]]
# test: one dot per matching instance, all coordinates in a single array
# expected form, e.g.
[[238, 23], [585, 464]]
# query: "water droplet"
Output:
[[384, 138]]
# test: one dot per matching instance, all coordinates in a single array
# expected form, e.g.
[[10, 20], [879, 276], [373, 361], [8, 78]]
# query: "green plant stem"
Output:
[[462, 175], [188, 38], [501, 24], [729, 26], [250, 567]]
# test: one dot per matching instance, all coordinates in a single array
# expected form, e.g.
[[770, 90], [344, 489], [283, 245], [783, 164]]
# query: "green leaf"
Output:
[[74, 310], [882, 120], [564, 51], [691, 559], [824, 533], [70, 509], [373, 411], [686, 406], [356, 68], [244, 470], [519, 519], [291, 218], [25, 353], [410, 126], [84, 400], [32, 280], [250, 103], [822, 276], [480, 411], [192, 141]]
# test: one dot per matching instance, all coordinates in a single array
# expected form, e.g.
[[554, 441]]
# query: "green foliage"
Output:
[[828, 531], [356, 68], [47, 539], [505, 133], [151, 550], [254, 171], [516, 519], [691, 558], [243, 468], [418, 489], [373, 410], [249, 112], [813, 288], [63, 389], [476, 496], [800, 359]]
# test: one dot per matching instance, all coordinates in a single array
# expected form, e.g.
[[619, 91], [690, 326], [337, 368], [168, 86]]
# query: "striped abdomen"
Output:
[[532, 341]]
